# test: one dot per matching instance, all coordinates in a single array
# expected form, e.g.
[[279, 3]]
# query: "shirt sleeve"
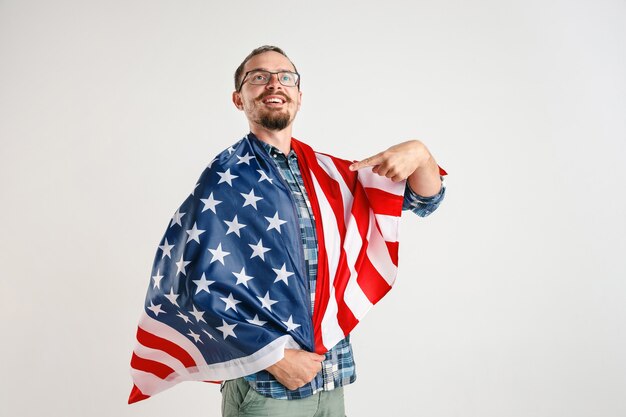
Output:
[[422, 206]]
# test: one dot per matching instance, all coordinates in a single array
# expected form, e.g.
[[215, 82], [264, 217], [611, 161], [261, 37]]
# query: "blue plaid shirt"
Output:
[[338, 367]]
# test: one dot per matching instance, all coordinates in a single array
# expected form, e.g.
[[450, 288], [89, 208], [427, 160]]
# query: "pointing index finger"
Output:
[[367, 162]]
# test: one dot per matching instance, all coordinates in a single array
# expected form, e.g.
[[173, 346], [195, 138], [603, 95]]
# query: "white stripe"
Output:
[[354, 297], [331, 331], [371, 180], [378, 253], [160, 356], [388, 226]]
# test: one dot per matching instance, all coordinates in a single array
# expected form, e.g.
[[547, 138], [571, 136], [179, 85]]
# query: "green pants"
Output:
[[240, 400]]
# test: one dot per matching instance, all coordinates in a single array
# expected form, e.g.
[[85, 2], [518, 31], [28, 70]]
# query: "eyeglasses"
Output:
[[262, 77]]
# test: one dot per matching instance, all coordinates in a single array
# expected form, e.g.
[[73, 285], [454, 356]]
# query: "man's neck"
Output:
[[281, 139]]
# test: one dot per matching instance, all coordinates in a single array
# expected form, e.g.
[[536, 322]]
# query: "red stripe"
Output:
[[155, 342], [374, 286], [147, 365], [442, 172], [392, 247], [384, 202], [136, 395]]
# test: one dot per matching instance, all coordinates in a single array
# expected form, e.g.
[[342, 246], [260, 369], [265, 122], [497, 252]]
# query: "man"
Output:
[[303, 383]]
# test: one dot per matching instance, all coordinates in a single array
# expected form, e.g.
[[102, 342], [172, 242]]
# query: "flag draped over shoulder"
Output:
[[229, 291]]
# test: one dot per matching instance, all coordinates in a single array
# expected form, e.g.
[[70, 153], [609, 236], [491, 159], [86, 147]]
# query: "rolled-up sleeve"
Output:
[[422, 206]]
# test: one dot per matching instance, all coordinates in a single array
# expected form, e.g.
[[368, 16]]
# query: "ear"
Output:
[[237, 101], [299, 99]]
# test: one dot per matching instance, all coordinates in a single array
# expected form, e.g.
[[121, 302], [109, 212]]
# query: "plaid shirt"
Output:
[[338, 367]]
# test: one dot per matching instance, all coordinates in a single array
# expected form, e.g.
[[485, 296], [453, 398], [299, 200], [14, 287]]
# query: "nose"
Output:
[[273, 82]]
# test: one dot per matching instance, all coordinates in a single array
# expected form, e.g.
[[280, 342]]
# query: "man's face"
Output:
[[273, 105]]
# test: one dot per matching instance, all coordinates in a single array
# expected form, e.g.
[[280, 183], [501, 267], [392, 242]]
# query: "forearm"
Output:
[[425, 180]]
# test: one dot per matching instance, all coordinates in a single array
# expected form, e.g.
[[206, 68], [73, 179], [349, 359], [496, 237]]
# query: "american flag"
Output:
[[228, 291]]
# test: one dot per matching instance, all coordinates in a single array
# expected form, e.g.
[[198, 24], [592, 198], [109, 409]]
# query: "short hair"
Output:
[[258, 51]]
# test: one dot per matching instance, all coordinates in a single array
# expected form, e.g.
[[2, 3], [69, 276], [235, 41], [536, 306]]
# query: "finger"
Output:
[[367, 162]]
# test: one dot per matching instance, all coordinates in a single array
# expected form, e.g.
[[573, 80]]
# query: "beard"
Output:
[[274, 121]]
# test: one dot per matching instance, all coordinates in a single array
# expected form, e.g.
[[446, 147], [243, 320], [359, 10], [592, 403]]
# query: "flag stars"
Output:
[[194, 233], [263, 176], [184, 317], [196, 337], [167, 249], [172, 297], [182, 265], [242, 278], [282, 274], [176, 218], [156, 309], [230, 302], [290, 324], [256, 321], [250, 199], [227, 329], [227, 177], [234, 226], [245, 159], [210, 335], [157, 280], [258, 250], [218, 254], [203, 284], [210, 203], [275, 222], [197, 314], [267, 302]]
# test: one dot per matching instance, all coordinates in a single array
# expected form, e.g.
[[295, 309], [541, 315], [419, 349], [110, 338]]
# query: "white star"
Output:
[[290, 324], [230, 150], [282, 274], [264, 176], [242, 278], [176, 218], [195, 336], [157, 280], [251, 199], [211, 163], [266, 302], [230, 302], [167, 249], [256, 321], [234, 226], [172, 297], [245, 159], [156, 309], [203, 284], [258, 250], [209, 334], [210, 203], [275, 222], [194, 233], [182, 316], [227, 177], [197, 314], [227, 329], [218, 254], [181, 265], [194, 188]]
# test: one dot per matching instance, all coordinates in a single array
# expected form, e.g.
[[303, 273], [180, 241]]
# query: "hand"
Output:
[[407, 160], [297, 368]]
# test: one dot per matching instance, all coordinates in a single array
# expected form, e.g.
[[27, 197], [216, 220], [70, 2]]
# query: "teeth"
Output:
[[273, 100]]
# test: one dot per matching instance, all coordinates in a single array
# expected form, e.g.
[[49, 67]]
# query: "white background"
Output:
[[511, 299]]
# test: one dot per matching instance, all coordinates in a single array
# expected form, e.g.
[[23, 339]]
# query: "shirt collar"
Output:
[[272, 150]]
